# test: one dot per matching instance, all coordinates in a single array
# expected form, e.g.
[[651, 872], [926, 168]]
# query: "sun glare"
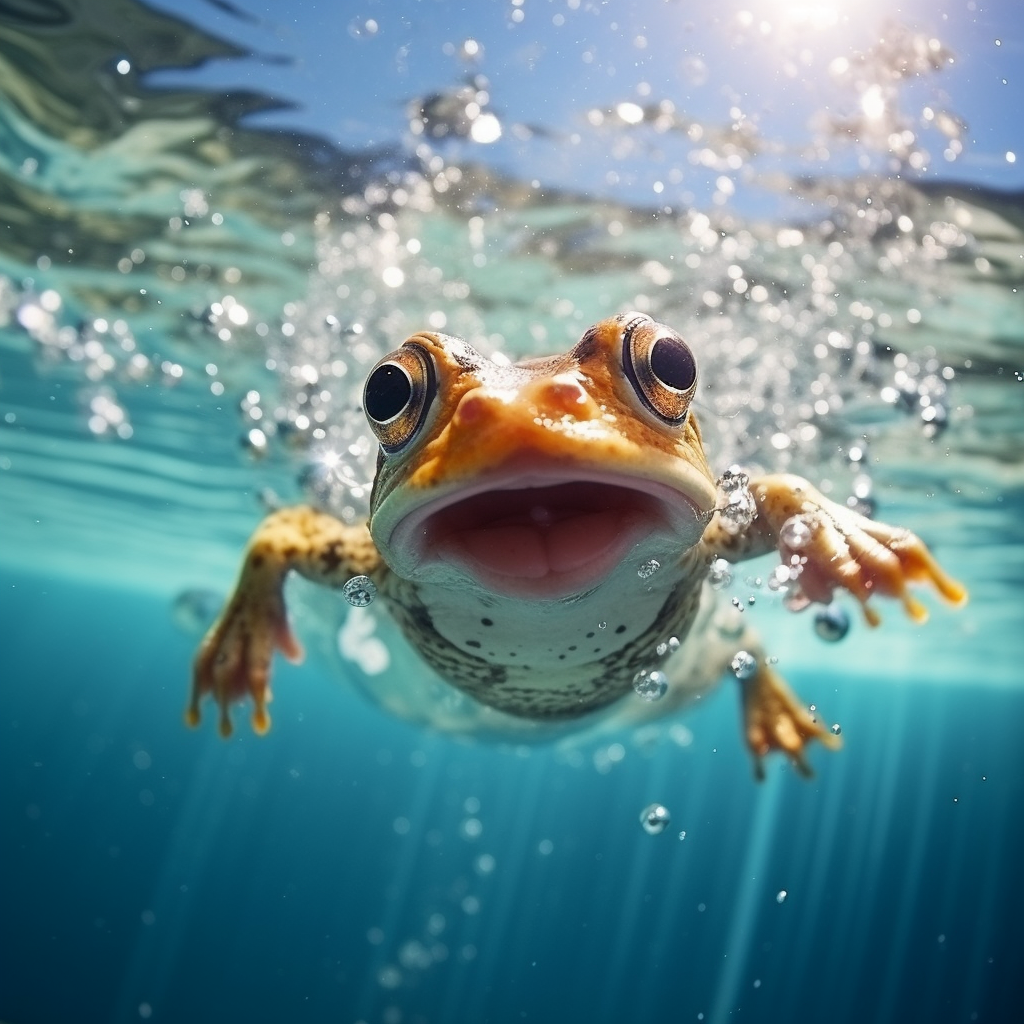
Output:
[[799, 15]]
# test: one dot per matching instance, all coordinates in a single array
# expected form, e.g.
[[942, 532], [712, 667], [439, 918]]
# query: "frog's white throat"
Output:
[[538, 536]]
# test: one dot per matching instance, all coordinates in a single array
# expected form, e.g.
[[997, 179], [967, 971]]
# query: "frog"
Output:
[[541, 533]]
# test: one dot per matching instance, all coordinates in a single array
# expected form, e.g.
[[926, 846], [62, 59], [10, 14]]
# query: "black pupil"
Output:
[[672, 363], [387, 392]]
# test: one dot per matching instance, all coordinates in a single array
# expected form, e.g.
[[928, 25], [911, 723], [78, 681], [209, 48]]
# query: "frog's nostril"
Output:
[[562, 394], [472, 409], [567, 392]]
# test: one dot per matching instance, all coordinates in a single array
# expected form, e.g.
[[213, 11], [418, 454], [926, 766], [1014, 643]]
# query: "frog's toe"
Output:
[[916, 564], [224, 726], [260, 715], [774, 719]]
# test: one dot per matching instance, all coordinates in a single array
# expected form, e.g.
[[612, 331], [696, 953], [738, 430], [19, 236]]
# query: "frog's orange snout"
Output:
[[550, 398]]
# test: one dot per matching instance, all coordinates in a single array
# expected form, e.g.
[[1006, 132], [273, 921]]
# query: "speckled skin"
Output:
[[552, 659], [512, 687]]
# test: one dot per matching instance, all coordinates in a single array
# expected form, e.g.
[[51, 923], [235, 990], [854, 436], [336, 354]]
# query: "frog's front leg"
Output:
[[830, 546], [234, 658]]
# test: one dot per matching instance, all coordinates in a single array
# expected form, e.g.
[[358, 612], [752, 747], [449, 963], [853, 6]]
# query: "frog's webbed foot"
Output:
[[234, 658], [835, 547], [233, 661], [774, 719]]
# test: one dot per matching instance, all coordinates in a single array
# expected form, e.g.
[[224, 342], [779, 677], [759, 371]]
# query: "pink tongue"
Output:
[[533, 550]]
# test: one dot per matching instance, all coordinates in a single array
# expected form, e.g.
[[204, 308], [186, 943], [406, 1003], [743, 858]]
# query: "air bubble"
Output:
[[651, 685], [743, 665], [831, 623], [837, 729], [471, 828], [720, 573], [780, 896], [256, 441], [655, 819], [795, 533], [648, 569], [363, 28], [359, 591], [780, 578]]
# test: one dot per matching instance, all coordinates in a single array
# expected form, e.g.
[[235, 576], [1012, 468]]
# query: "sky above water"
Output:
[[350, 69]]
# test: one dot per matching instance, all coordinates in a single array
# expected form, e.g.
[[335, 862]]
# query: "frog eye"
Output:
[[661, 368], [397, 396]]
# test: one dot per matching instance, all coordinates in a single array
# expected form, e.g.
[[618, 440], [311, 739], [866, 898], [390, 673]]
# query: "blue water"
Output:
[[194, 278], [153, 871]]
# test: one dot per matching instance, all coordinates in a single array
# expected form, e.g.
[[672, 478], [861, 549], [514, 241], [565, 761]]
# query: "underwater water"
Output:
[[216, 218]]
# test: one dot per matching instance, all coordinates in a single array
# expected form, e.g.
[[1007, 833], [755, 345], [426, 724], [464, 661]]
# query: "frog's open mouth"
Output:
[[534, 538]]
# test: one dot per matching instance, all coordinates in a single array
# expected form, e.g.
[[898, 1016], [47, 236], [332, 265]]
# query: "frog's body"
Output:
[[540, 532]]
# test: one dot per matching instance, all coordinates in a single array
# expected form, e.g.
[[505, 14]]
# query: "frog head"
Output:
[[541, 479]]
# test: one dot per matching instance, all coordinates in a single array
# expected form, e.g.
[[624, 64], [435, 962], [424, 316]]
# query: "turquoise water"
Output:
[[331, 872], [193, 281]]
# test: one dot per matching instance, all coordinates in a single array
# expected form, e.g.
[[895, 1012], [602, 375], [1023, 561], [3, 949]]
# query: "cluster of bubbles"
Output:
[[832, 621], [737, 508], [460, 113], [874, 77], [920, 386], [380, 276], [743, 665], [866, 109], [648, 568], [376, 277], [722, 147], [100, 351], [105, 354], [106, 417]]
